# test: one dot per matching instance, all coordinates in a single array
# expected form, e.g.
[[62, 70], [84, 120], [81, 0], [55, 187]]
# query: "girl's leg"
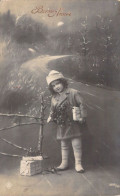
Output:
[[77, 149], [65, 155]]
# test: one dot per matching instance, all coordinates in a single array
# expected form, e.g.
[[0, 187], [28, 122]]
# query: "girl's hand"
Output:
[[49, 119], [82, 120]]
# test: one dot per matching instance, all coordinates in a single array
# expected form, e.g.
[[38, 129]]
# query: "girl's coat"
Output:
[[67, 99]]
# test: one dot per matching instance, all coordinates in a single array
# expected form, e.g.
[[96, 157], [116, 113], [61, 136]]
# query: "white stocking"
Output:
[[65, 154], [77, 149]]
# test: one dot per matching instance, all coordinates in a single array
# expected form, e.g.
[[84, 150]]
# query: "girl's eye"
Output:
[[54, 86]]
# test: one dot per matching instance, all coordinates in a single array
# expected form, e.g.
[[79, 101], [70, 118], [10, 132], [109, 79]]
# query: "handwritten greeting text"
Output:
[[50, 12]]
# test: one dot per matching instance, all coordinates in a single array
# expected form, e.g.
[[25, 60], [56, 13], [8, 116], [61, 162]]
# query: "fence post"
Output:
[[40, 138]]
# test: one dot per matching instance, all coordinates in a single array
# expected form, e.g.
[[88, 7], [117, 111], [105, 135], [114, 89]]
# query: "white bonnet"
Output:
[[53, 75]]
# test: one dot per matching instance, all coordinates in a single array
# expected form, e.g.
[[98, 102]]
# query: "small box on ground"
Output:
[[30, 168]]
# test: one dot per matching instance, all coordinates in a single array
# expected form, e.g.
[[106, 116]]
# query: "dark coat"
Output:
[[61, 113]]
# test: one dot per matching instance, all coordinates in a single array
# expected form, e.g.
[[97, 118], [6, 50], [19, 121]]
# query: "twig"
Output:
[[6, 154], [3, 139], [19, 115], [22, 124]]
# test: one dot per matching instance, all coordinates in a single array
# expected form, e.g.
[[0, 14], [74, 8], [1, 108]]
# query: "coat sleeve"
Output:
[[80, 103]]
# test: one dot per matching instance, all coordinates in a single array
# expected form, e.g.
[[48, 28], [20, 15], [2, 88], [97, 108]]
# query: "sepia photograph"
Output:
[[60, 98]]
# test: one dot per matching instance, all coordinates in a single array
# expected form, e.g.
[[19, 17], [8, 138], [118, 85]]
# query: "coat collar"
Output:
[[61, 97]]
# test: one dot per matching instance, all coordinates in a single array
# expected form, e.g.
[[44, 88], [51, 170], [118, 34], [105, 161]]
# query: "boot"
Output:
[[77, 149], [65, 154]]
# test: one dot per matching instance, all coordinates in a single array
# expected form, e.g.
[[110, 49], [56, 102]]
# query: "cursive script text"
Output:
[[50, 12]]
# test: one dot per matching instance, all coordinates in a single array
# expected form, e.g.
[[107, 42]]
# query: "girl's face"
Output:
[[57, 86]]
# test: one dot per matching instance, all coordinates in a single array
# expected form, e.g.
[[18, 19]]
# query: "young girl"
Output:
[[69, 125]]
